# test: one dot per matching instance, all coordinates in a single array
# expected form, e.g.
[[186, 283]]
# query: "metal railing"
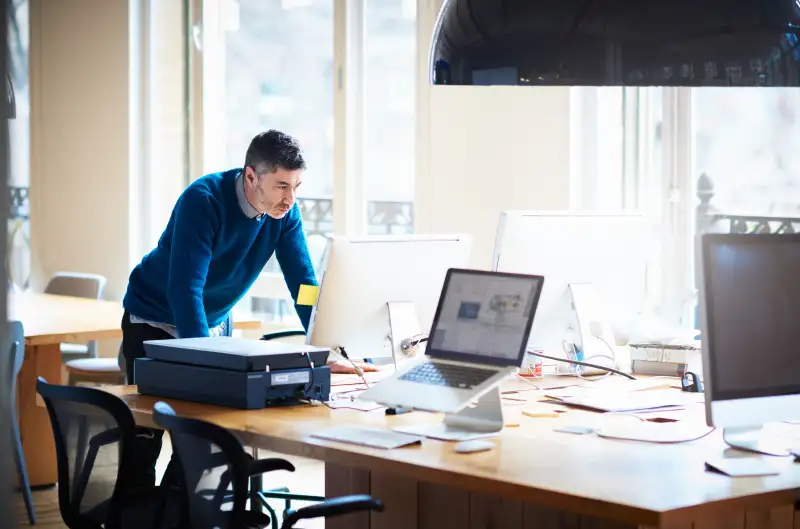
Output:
[[383, 217], [709, 219], [712, 220]]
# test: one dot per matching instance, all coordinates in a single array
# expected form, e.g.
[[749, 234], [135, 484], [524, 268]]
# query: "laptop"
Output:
[[478, 337]]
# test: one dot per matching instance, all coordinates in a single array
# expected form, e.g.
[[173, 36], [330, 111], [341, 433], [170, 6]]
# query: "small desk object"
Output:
[[239, 373]]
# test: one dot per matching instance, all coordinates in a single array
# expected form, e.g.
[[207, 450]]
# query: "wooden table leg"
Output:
[[37, 433]]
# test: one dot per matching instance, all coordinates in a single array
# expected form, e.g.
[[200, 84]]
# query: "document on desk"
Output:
[[353, 404], [621, 401]]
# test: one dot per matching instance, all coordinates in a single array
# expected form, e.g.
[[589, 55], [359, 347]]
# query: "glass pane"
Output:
[[746, 141], [275, 71], [19, 135], [389, 108], [278, 74]]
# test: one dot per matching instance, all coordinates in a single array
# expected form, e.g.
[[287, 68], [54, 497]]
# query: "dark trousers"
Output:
[[133, 337]]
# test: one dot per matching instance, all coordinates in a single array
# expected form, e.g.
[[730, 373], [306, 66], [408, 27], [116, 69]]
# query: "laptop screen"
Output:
[[484, 317]]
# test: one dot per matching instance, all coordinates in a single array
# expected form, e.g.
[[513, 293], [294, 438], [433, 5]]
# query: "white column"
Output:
[[349, 189]]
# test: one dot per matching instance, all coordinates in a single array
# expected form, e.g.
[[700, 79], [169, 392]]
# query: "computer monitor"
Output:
[[376, 291], [750, 333], [607, 251]]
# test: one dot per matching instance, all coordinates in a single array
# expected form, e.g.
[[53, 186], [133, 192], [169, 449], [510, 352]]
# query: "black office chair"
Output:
[[288, 333], [95, 429], [212, 459], [16, 356]]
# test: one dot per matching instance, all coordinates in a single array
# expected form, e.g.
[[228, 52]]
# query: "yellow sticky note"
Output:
[[307, 295]]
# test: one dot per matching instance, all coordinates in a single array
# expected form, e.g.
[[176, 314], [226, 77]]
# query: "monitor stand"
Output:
[[750, 440], [403, 324], [485, 419]]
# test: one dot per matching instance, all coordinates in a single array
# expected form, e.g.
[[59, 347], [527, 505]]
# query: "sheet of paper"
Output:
[[742, 467], [355, 404]]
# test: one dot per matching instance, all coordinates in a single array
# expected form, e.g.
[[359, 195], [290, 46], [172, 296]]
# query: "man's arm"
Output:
[[196, 221], [295, 261]]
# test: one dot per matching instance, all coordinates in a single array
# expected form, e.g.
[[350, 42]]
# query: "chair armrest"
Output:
[[332, 507], [277, 335], [261, 466], [257, 467]]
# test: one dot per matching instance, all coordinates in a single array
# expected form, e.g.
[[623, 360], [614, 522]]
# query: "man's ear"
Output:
[[249, 174]]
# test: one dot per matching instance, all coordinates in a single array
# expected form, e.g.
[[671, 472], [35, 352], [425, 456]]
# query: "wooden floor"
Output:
[[307, 479]]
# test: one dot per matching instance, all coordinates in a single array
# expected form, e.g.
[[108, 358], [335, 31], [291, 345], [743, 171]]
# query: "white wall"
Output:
[[484, 149], [79, 139], [107, 133], [492, 148]]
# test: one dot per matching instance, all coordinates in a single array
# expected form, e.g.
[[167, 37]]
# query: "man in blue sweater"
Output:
[[222, 231]]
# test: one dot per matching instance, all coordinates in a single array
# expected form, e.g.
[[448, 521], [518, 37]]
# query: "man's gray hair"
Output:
[[272, 150]]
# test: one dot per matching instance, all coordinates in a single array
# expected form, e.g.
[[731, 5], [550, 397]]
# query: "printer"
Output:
[[234, 372]]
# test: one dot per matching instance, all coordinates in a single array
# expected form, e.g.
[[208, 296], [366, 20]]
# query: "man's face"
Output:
[[272, 193]]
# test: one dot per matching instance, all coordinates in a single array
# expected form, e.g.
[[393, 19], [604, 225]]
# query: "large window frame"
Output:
[[631, 149], [208, 19], [207, 22], [662, 186]]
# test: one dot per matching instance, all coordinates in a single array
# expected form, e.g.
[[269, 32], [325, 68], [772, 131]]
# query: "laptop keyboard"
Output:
[[449, 375]]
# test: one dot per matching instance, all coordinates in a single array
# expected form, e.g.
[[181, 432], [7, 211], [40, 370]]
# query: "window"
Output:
[[278, 49], [18, 251], [340, 76], [390, 135], [711, 159], [744, 145], [597, 124], [747, 140]]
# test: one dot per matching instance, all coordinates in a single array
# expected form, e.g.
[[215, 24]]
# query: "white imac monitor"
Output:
[[376, 291], [607, 251], [750, 333]]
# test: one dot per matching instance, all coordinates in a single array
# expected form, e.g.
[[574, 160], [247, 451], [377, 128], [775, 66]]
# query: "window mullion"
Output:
[[349, 189]]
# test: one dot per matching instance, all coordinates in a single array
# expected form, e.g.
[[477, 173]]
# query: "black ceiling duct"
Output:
[[617, 43]]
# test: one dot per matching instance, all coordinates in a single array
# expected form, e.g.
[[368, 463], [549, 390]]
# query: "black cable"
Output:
[[414, 341], [585, 364], [358, 370], [312, 378]]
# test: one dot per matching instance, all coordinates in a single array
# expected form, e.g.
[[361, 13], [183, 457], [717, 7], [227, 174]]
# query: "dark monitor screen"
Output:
[[751, 289]]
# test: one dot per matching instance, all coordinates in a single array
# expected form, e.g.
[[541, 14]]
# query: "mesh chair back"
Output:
[[93, 434], [214, 469]]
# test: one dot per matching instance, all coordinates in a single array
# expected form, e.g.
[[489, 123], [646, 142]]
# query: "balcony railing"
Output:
[[383, 217], [712, 220]]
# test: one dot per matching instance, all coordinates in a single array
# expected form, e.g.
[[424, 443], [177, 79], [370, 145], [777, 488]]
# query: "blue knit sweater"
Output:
[[209, 256]]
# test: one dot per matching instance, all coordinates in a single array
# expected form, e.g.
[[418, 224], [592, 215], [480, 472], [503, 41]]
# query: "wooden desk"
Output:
[[534, 478], [48, 321]]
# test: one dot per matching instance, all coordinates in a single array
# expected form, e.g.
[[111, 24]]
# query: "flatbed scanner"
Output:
[[234, 372]]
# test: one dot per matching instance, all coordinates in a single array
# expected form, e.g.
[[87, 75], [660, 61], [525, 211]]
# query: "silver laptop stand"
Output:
[[484, 419]]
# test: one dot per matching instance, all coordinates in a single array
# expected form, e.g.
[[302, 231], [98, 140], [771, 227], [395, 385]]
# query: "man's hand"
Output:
[[345, 367]]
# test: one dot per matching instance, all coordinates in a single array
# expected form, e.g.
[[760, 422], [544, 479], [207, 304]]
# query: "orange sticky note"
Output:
[[307, 295]]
